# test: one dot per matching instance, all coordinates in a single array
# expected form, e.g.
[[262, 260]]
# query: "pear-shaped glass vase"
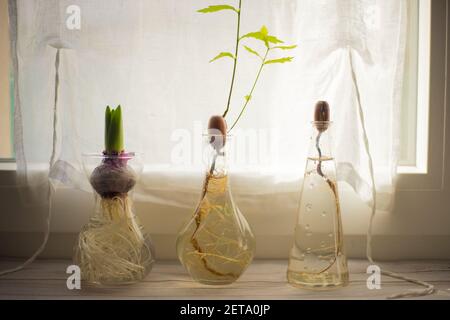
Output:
[[113, 248], [216, 245], [317, 259]]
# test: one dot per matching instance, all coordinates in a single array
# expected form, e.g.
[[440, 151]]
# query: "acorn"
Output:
[[217, 127], [322, 115]]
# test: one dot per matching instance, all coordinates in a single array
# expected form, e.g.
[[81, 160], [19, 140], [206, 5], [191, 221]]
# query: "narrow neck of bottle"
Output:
[[216, 156], [320, 144], [217, 163]]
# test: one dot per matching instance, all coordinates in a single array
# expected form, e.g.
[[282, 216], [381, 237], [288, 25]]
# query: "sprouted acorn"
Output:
[[217, 128], [113, 178], [322, 115]]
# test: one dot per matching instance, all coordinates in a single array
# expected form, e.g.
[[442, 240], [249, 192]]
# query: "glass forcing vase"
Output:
[[216, 245], [113, 248], [317, 259]]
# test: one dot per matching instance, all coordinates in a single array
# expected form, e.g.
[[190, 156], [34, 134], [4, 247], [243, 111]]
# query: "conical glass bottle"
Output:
[[317, 259], [216, 245], [113, 248]]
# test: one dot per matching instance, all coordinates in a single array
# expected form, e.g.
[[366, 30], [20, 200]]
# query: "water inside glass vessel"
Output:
[[217, 245], [317, 259]]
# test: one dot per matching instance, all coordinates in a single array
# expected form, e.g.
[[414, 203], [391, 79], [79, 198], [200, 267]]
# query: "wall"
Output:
[[5, 142]]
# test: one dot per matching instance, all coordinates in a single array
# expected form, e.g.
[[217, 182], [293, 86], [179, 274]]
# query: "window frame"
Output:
[[427, 174], [415, 107], [6, 102]]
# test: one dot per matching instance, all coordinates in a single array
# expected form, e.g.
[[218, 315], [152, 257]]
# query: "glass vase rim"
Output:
[[124, 156], [322, 122], [217, 135]]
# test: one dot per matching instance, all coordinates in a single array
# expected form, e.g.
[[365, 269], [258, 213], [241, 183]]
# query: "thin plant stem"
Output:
[[251, 91], [235, 59]]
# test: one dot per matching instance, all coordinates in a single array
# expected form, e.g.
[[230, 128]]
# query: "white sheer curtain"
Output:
[[152, 58]]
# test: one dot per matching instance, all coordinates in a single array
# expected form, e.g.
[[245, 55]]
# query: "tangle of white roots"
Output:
[[112, 249]]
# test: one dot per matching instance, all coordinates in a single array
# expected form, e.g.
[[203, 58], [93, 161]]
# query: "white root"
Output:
[[112, 249]]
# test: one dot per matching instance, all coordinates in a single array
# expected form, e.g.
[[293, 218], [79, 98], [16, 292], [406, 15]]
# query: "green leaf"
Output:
[[248, 97], [264, 31], [216, 8], [114, 138], [285, 47], [255, 35], [259, 35], [263, 35], [252, 51], [222, 55], [107, 123], [281, 60], [274, 40]]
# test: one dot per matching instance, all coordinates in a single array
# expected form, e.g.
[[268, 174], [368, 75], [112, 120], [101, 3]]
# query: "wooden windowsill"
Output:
[[265, 279]]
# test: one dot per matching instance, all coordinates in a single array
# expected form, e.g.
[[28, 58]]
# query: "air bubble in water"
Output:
[[309, 207]]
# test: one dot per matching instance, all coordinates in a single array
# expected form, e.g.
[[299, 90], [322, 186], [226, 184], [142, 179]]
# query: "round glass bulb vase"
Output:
[[113, 248], [317, 259], [216, 245]]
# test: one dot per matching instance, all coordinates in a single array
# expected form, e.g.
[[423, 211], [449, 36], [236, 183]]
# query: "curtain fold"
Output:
[[152, 58]]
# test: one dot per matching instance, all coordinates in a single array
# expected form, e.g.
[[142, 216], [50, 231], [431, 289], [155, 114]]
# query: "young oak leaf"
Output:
[[285, 47], [273, 39], [269, 38], [263, 35], [252, 51], [222, 55], [256, 35], [215, 8], [281, 60], [264, 31]]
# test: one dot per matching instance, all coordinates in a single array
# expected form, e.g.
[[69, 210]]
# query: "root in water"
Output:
[[333, 188], [202, 211], [217, 246], [112, 247]]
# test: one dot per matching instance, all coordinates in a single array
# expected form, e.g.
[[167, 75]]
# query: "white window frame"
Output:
[[5, 99], [415, 103], [427, 171]]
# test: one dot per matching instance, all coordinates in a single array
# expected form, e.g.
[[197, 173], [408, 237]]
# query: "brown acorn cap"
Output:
[[217, 126], [322, 115]]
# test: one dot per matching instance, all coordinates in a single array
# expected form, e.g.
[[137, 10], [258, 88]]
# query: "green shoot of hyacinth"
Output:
[[113, 130]]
